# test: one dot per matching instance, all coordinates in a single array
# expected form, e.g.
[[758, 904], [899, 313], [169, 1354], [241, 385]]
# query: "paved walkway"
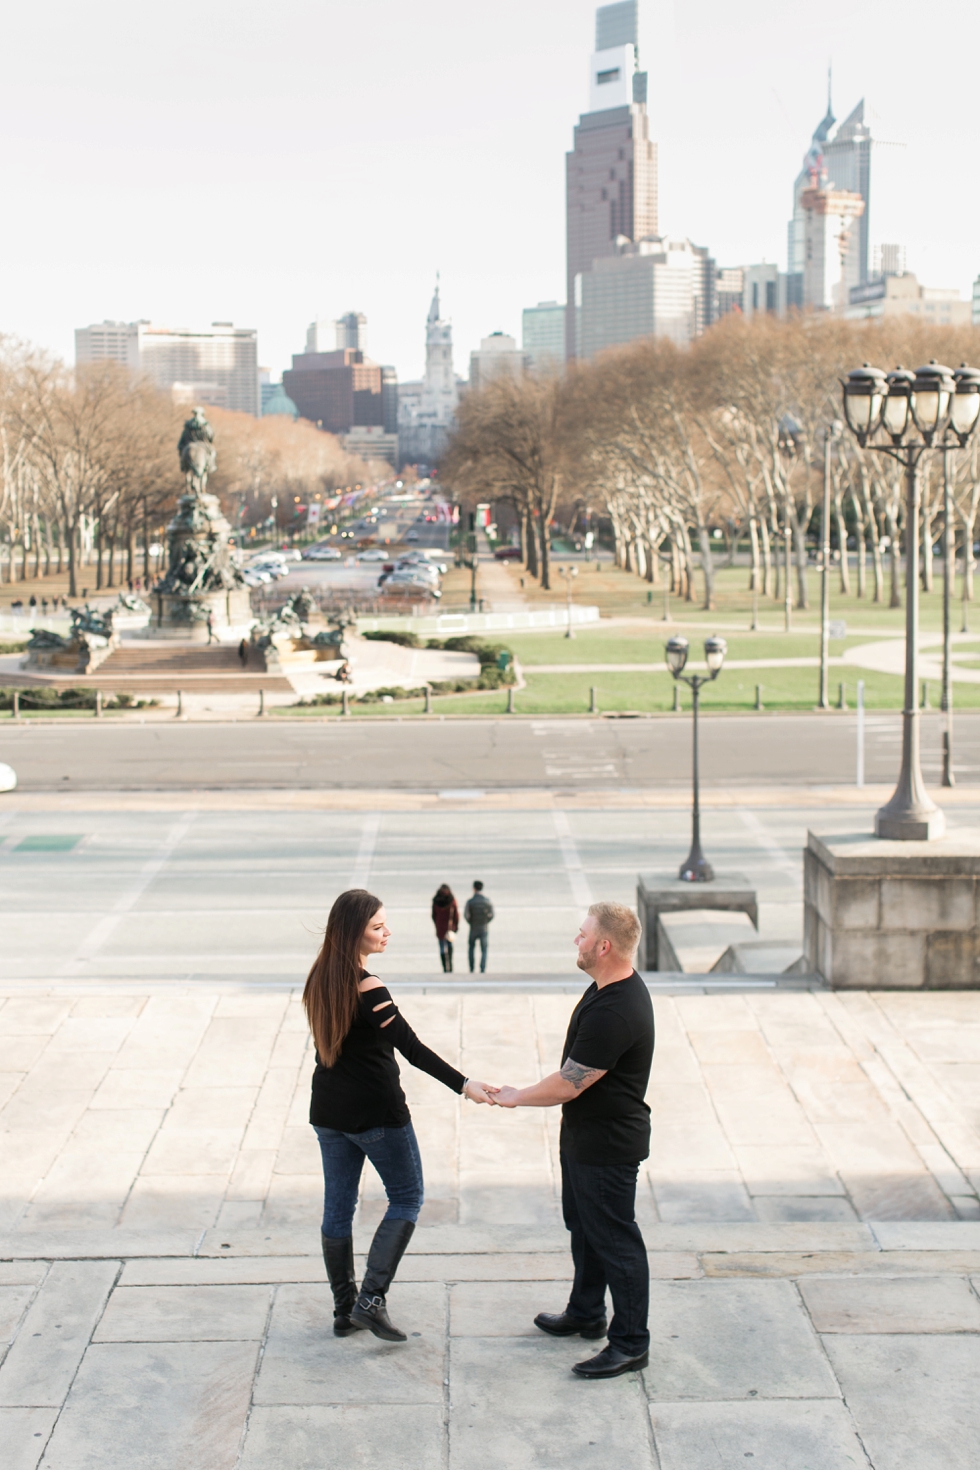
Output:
[[810, 1208]]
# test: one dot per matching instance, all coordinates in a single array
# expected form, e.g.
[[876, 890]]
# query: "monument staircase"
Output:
[[146, 667]]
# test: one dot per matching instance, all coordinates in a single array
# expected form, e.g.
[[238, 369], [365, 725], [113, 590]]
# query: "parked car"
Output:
[[322, 553], [507, 553], [372, 554], [412, 536]]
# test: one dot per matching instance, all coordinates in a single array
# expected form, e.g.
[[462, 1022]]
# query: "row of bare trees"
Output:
[[89, 471], [675, 445]]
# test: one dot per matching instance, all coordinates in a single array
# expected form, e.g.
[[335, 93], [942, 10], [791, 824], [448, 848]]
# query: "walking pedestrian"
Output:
[[478, 914], [605, 1135], [445, 916], [358, 1109], [243, 654], [210, 628], [32, 603]]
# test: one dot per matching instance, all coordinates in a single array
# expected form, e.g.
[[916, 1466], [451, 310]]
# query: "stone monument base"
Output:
[[882, 915], [232, 609], [665, 893]]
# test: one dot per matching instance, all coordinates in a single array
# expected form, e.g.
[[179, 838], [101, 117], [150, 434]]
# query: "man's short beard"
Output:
[[587, 957]]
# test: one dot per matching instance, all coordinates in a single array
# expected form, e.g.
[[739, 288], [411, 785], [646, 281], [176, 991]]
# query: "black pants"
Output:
[[599, 1207]]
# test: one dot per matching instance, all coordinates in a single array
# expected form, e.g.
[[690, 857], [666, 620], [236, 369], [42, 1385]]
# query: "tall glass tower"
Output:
[[611, 172]]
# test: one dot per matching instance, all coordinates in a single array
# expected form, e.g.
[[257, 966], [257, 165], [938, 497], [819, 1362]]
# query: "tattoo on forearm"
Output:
[[578, 1076]]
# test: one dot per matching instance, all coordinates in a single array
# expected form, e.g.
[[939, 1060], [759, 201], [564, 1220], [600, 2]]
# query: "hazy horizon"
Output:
[[238, 163]]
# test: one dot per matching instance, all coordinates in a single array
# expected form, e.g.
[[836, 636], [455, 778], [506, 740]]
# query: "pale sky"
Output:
[[265, 163]]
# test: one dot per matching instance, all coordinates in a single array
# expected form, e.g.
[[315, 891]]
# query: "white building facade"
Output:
[[651, 288], [217, 366]]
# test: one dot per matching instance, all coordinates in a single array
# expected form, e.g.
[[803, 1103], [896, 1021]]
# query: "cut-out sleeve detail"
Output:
[[399, 1034]]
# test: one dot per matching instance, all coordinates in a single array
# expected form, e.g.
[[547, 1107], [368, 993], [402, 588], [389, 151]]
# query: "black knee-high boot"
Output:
[[338, 1257], [387, 1249], [449, 959], [443, 957]]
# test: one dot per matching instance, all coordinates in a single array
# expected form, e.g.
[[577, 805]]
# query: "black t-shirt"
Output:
[[362, 1089], [611, 1029]]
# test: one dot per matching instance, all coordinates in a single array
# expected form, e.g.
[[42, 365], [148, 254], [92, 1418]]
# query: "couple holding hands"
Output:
[[358, 1111]]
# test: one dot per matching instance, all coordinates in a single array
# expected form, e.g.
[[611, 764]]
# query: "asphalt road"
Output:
[[502, 754]]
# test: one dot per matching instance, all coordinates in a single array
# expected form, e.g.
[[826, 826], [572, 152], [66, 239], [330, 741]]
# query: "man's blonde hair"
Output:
[[619, 925]]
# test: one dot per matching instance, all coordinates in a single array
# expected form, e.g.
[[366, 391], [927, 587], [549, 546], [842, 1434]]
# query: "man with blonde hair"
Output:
[[605, 1135]]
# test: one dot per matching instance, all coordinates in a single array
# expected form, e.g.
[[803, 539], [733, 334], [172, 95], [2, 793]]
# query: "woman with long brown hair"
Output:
[[359, 1111]]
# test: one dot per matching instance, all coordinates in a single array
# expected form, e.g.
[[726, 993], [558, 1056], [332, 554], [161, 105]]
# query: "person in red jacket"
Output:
[[445, 916]]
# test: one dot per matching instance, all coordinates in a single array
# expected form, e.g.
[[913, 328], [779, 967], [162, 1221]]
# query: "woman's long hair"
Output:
[[330, 996], [444, 896]]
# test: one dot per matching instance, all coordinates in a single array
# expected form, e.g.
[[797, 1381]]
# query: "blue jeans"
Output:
[[478, 937], [394, 1152], [598, 1203]]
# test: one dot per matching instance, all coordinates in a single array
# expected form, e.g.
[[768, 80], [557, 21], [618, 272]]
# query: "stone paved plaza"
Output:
[[810, 1204]]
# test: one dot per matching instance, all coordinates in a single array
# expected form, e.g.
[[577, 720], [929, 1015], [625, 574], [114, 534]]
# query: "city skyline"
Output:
[[434, 182]]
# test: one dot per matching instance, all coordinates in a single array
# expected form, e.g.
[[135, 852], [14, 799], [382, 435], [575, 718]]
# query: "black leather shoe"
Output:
[[370, 1312], [560, 1324], [387, 1249], [609, 1364], [338, 1257]]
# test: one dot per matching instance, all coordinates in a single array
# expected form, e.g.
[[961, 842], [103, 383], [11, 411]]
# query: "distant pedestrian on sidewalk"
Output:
[[478, 914], [243, 654], [211, 637], [445, 916], [358, 1109], [605, 1135]]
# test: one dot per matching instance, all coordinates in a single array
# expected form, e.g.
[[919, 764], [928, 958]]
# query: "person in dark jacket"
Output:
[[358, 1109], [478, 914], [445, 916]]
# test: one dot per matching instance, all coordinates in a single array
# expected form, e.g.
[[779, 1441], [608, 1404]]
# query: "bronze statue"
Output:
[[198, 457]]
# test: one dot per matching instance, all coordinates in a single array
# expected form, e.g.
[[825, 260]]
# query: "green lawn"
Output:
[[611, 645], [621, 594], [650, 693]]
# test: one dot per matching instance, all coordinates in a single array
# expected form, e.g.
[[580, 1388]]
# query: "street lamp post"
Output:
[[695, 868], [569, 573], [831, 432], [947, 696], [929, 409]]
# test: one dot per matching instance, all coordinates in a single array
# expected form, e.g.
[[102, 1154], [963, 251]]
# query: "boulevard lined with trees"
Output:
[[89, 473], [693, 451]]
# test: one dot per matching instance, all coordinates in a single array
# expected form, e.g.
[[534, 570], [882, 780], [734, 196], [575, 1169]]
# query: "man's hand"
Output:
[[478, 1092], [506, 1097]]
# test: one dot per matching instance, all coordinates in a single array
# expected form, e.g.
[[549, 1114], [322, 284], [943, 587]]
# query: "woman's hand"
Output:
[[478, 1092]]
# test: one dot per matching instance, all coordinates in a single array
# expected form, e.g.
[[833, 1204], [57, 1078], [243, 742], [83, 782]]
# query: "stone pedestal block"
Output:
[[181, 616], [664, 893], [882, 915]]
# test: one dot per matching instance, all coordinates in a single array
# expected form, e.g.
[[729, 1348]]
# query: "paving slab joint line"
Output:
[[267, 1325]]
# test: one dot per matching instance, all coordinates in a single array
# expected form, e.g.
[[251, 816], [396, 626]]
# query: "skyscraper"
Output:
[[611, 172], [840, 161]]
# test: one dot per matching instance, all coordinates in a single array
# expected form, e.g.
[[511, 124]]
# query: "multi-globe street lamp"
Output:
[[932, 408], [695, 868]]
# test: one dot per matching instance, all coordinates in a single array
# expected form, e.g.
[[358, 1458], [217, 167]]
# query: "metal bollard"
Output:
[[841, 699], [180, 705], [16, 705], [428, 700], [677, 698], [510, 700], [98, 704], [758, 697], [594, 706], [261, 702], [345, 703]]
